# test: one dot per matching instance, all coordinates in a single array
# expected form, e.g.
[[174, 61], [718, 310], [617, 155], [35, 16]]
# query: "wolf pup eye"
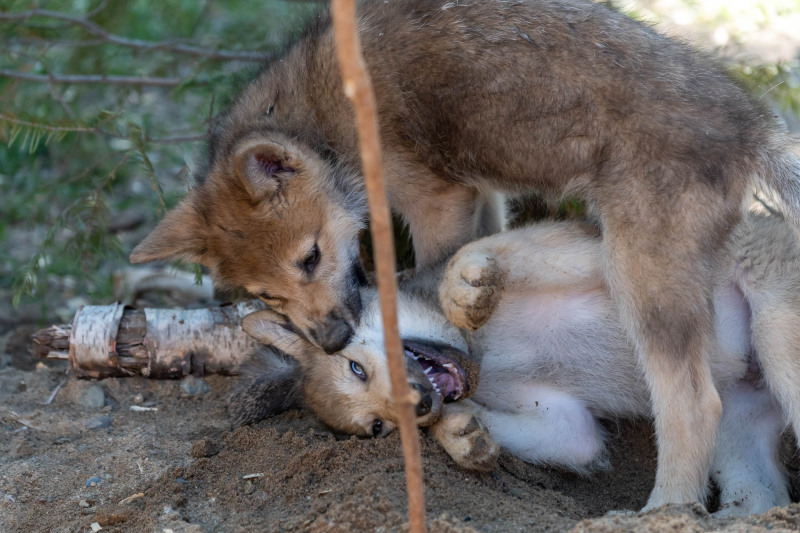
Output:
[[377, 426], [268, 299], [312, 260], [358, 370]]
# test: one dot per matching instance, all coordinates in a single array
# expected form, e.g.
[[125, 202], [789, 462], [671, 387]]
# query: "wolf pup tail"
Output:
[[270, 384]]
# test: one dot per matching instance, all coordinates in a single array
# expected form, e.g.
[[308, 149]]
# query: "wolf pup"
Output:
[[350, 390], [557, 96], [555, 359]]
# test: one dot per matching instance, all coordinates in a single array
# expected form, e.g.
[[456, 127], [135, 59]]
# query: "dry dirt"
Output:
[[182, 468]]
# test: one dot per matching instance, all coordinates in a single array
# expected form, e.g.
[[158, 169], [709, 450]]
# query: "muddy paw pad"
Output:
[[471, 290], [483, 453]]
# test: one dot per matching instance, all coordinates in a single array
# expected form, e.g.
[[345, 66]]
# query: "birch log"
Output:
[[115, 341]]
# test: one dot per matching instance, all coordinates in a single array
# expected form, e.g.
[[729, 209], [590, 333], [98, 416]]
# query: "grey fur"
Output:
[[271, 384]]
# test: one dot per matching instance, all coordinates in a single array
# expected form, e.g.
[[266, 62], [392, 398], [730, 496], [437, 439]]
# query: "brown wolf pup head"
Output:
[[350, 390], [271, 216]]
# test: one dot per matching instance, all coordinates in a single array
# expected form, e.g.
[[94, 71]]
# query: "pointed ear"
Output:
[[270, 328], [270, 384], [179, 235], [262, 166]]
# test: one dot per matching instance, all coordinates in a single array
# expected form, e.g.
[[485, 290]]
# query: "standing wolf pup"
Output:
[[558, 96]]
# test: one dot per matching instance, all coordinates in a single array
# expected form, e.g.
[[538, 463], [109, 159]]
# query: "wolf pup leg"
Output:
[[746, 465], [662, 287], [518, 260], [465, 438]]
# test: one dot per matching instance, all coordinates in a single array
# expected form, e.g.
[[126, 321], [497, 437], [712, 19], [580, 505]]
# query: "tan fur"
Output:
[[558, 96]]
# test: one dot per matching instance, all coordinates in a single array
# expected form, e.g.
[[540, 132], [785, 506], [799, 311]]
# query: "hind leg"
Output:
[[547, 426], [776, 340], [659, 266], [746, 464]]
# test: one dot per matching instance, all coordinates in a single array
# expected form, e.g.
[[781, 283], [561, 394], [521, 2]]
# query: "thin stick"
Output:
[[91, 78], [358, 88], [97, 31]]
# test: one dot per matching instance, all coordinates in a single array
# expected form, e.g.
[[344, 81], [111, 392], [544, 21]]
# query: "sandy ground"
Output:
[[88, 458]]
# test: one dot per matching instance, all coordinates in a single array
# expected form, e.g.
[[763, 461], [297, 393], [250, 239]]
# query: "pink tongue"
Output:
[[446, 384]]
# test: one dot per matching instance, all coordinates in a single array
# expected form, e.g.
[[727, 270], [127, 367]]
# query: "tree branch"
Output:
[[92, 78], [140, 44]]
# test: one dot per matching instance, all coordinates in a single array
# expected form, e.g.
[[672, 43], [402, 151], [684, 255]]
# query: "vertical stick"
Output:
[[358, 88]]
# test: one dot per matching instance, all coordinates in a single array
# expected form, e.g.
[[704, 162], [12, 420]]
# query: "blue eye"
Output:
[[358, 370]]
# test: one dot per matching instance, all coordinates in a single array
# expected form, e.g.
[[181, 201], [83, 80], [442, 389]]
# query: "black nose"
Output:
[[425, 400], [335, 336]]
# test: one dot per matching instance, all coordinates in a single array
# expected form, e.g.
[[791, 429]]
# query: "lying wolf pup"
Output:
[[555, 358]]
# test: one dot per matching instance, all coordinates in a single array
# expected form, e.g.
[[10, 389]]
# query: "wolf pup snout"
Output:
[[333, 335]]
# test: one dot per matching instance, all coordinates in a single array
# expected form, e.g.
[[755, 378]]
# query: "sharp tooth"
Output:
[[447, 365], [428, 370]]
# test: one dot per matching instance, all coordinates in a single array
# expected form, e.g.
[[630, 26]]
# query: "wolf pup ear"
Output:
[[270, 383], [270, 328], [178, 236], [262, 166]]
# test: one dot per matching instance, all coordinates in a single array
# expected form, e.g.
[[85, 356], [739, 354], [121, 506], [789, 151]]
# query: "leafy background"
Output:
[[88, 166]]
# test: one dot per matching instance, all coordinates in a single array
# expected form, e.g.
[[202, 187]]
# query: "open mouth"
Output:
[[445, 374]]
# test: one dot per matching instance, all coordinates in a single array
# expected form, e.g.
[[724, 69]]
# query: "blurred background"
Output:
[[104, 107]]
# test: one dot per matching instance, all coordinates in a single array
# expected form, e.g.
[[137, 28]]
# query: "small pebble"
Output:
[[249, 487], [83, 503], [93, 398], [92, 481], [193, 386], [138, 399], [99, 423], [204, 448]]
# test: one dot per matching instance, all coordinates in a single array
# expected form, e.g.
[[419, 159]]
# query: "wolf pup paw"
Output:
[[471, 288], [465, 439]]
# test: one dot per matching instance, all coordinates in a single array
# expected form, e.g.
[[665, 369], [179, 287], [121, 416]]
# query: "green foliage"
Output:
[[75, 155], [778, 83]]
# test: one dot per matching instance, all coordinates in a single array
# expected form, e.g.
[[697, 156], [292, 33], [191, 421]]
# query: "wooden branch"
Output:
[[97, 31], [357, 87], [91, 78], [110, 340]]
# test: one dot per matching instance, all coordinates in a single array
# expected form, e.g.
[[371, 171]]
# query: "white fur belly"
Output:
[[732, 320], [571, 341], [732, 328]]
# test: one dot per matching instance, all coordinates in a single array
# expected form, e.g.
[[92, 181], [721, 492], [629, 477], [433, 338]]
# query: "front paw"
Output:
[[471, 289], [466, 440]]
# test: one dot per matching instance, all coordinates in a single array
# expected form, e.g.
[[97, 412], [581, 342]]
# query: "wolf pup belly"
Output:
[[557, 96]]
